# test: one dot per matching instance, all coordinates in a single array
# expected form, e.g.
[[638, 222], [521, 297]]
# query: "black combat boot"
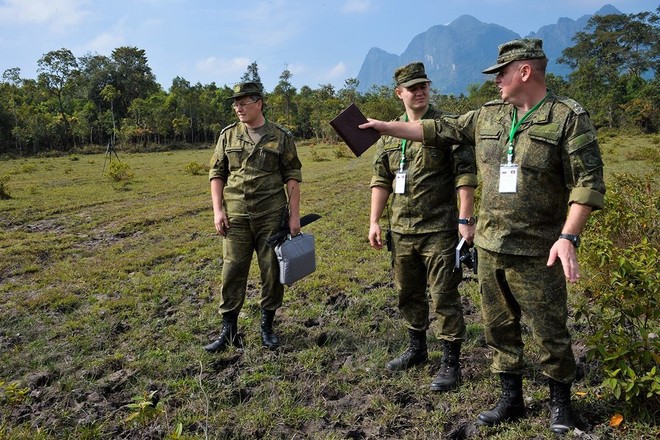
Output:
[[415, 353], [268, 338], [511, 405], [561, 415], [449, 376], [228, 335]]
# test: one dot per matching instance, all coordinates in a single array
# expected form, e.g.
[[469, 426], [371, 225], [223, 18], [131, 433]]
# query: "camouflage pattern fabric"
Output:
[[255, 202], [425, 228], [429, 203], [513, 287], [418, 259], [243, 238], [559, 162], [255, 174]]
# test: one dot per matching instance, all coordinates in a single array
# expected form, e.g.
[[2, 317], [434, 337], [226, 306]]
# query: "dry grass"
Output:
[[107, 295]]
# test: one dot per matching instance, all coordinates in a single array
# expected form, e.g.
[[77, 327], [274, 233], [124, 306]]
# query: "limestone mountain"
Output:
[[455, 54]]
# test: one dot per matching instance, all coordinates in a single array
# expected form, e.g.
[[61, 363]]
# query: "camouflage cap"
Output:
[[523, 49], [410, 74], [247, 89]]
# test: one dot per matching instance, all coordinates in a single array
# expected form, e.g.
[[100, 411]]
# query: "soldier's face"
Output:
[[415, 97], [509, 81], [247, 109]]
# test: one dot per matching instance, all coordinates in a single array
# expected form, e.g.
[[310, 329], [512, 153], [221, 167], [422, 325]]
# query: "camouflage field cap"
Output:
[[410, 74], [247, 89], [523, 49]]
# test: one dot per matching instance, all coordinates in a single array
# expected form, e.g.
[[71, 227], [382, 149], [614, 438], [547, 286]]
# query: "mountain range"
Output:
[[455, 54]]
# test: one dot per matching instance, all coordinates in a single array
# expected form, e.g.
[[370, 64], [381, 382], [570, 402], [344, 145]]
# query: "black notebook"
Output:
[[346, 125]]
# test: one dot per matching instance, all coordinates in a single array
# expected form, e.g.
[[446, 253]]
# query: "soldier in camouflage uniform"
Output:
[[538, 157], [255, 185], [423, 223]]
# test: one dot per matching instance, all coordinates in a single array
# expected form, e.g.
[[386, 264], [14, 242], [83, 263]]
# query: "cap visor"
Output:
[[412, 82], [496, 68]]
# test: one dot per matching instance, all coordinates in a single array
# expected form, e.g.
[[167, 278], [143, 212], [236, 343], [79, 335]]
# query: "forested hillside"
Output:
[[83, 103]]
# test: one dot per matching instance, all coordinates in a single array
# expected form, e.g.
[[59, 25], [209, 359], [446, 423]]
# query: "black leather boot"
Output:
[[268, 338], [228, 335], [561, 415], [415, 353], [449, 376], [511, 405]]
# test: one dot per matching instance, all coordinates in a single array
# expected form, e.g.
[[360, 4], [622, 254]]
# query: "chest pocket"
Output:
[[393, 156], [543, 151], [433, 157], [235, 156], [267, 157], [489, 149]]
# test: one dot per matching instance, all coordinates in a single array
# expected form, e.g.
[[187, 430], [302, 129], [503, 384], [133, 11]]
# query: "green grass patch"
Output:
[[109, 290]]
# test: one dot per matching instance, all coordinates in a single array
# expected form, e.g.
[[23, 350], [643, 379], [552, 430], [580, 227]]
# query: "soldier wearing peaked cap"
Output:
[[255, 179], [423, 225], [542, 176]]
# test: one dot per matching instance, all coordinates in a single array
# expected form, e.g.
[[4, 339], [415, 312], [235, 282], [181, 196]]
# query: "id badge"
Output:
[[508, 178], [400, 182]]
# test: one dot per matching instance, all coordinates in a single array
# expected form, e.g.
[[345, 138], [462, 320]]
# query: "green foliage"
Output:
[[12, 394], [317, 156], [120, 172], [28, 168], [5, 193], [108, 295], [96, 99], [196, 169], [145, 408], [622, 295], [120, 176], [341, 151]]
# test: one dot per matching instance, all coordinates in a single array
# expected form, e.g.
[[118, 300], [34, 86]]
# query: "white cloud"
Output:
[[58, 15], [223, 67], [356, 6], [336, 72], [104, 43]]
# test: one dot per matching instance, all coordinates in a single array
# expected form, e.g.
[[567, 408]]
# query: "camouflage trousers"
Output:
[[244, 237], [513, 286], [419, 260]]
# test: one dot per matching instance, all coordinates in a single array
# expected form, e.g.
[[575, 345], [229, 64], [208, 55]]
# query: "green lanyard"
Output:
[[516, 125], [404, 143]]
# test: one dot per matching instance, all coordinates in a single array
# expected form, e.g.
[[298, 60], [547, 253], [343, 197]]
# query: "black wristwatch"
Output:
[[574, 239], [467, 221]]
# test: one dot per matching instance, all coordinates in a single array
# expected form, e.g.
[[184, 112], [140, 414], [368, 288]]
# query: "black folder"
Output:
[[346, 125]]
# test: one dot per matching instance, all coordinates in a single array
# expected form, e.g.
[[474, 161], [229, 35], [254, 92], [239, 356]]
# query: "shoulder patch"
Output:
[[282, 128], [228, 127], [572, 104]]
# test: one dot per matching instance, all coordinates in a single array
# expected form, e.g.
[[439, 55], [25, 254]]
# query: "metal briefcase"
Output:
[[297, 257]]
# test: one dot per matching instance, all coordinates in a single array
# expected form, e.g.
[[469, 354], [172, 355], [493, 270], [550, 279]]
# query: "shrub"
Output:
[[317, 157], [341, 151], [195, 169], [620, 302], [4, 189], [120, 173]]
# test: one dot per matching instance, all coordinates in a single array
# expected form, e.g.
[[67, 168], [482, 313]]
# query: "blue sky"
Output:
[[319, 41]]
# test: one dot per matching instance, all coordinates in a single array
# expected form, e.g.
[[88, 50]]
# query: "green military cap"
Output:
[[247, 89], [410, 74], [523, 49]]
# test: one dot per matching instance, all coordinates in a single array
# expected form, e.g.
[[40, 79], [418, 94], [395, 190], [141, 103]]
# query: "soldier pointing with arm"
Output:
[[542, 176]]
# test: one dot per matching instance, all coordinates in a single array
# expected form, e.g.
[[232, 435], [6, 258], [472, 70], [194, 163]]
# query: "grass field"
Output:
[[109, 291]]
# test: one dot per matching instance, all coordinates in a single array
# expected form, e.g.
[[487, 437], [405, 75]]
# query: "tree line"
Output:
[[76, 102]]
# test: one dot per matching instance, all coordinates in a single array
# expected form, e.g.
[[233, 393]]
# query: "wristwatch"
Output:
[[574, 239], [467, 221]]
